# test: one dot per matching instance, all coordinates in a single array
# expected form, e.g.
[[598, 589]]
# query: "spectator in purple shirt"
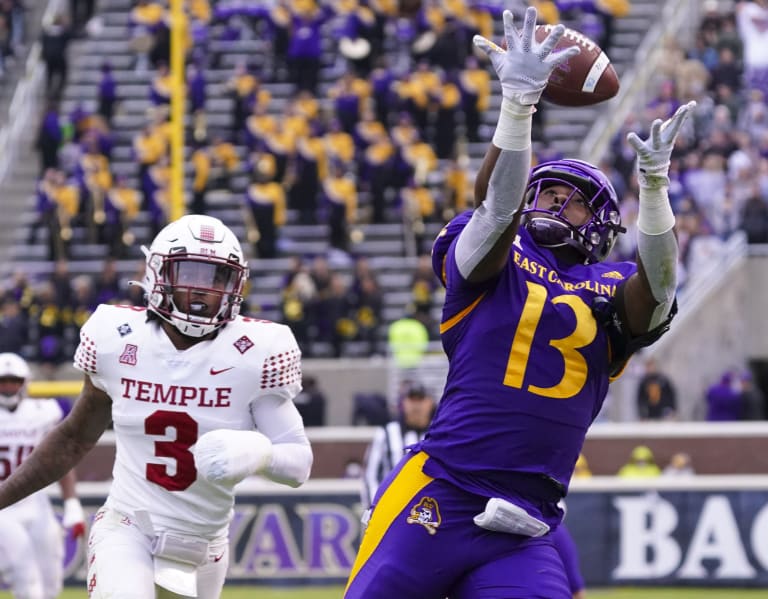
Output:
[[107, 93], [49, 139], [724, 399], [305, 50]]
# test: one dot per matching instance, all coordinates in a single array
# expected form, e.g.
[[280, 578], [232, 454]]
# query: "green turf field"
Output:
[[335, 593]]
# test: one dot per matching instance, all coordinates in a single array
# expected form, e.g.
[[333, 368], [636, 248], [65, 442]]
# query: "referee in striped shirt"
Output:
[[388, 446]]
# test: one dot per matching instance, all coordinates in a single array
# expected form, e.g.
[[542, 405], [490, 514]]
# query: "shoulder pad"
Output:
[[444, 240], [113, 322]]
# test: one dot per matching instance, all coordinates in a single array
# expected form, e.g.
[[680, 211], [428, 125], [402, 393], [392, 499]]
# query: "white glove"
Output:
[[654, 153], [74, 517], [228, 456], [525, 66]]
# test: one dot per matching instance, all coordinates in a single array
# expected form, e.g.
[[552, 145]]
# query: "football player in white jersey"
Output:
[[200, 398], [31, 539]]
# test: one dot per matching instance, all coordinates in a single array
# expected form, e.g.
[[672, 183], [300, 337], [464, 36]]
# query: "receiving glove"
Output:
[[74, 518], [227, 456], [525, 66], [654, 153]]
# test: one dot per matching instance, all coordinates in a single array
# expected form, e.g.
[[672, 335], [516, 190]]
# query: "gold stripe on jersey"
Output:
[[454, 320], [406, 485]]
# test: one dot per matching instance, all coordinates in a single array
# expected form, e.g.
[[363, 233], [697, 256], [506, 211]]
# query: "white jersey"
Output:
[[164, 399], [20, 432]]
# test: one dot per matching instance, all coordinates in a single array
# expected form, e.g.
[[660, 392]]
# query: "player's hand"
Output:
[[74, 518], [228, 456], [654, 153], [525, 66]]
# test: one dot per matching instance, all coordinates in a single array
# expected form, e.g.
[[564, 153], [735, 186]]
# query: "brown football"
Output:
[[587, 78]]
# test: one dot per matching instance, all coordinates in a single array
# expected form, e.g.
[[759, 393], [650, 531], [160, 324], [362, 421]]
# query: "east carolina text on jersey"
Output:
[[164, 399]]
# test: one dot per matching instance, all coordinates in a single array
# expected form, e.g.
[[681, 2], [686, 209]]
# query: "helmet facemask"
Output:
[[196, 293], [550, 228], [195, 275], [14, 374]]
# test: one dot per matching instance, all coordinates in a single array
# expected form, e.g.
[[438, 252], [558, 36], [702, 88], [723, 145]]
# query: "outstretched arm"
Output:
[[523, 69], [650, 293], [62, 448]]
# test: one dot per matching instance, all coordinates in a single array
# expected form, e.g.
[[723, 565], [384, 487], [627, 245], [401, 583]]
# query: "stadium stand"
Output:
[[389, 245], [393, 240]]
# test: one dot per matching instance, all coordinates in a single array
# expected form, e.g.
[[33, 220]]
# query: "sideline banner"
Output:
[[669, 536]]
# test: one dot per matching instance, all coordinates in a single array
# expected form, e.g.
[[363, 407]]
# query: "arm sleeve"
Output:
[[659, 255], [503, 199], [278, 419]]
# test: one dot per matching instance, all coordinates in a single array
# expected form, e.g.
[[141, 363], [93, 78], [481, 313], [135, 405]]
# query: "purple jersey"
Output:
[[528, 367]]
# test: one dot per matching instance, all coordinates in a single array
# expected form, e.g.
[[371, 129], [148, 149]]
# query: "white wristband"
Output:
[[655, 214], [513, 130], [73, 512]]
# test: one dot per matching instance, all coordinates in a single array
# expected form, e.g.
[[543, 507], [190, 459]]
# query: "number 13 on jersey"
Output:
[[575, 364]]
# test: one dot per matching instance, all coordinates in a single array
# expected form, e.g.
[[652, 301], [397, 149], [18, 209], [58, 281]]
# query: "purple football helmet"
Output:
[[595, 238]]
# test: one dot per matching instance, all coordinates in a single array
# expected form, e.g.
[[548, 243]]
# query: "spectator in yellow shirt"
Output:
[[641, 464]]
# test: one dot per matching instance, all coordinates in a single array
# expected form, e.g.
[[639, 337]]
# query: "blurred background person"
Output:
[[641, 464], [54, 42], [311, 402], [582, 469], [724, 399], [656, 397], [417, 408], [752, 398], [679, 465], [31, 544]]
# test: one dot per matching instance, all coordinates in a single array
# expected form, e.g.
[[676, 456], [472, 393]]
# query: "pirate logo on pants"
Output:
[[426, 513]]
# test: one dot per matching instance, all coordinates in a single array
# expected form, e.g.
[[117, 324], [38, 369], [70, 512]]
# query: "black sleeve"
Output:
[[612, 316]]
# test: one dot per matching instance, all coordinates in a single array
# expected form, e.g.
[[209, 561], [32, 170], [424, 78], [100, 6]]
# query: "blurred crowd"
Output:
[[326, 309], [385, 141], [41, 319], [719, 172], [331, 312], [732, 396], [384, 136]]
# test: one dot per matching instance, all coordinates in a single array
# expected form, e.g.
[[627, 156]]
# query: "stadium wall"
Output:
[[721, 448], [704, 531]]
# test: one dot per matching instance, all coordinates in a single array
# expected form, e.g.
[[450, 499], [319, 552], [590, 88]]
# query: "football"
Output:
[[587, 78]]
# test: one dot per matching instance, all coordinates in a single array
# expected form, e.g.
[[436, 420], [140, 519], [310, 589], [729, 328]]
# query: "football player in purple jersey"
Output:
[[535, 324]]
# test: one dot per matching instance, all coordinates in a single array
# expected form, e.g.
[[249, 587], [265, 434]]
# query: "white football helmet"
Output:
[[13, 366], [192, 260]]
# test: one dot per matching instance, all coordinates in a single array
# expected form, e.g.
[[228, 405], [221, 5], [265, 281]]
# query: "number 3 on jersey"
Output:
[[157, 423], [575, 371]]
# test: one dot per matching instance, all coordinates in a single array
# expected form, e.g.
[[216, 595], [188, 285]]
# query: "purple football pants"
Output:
[[422, 543]]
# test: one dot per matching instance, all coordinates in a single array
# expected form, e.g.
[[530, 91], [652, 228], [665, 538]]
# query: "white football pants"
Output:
[[31, 549], [120, 564]]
